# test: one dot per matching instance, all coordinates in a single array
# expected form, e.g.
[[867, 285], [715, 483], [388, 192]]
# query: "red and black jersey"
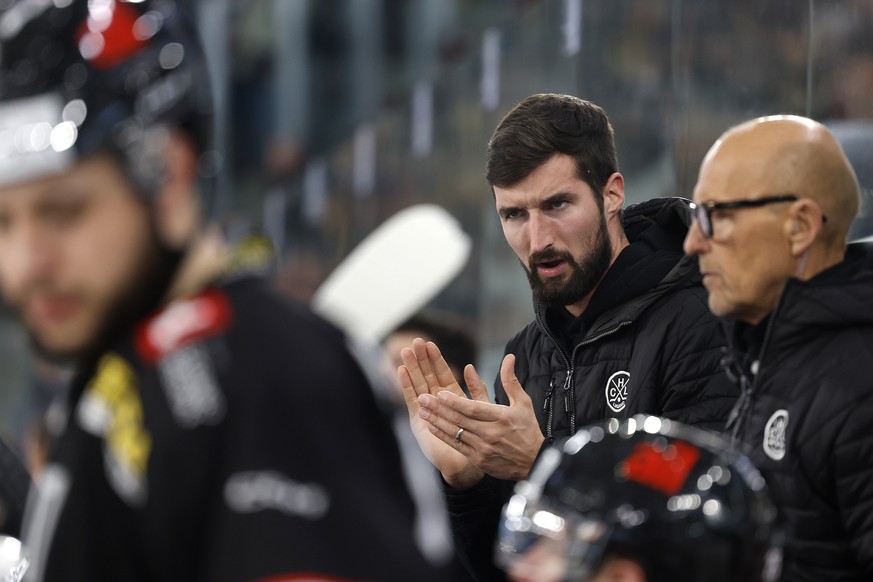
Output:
[[234, 436]]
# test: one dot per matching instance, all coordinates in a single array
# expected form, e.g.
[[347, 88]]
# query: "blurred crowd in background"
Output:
[[335, 114]]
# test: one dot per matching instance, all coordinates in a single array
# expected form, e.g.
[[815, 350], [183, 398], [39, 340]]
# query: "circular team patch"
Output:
[[774, 435], [616, 390]]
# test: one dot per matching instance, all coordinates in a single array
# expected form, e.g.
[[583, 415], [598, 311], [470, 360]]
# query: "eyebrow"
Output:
[[562, 195], [503, 211]]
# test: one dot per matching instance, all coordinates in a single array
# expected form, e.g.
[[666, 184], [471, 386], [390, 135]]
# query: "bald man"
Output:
[[773, 204]]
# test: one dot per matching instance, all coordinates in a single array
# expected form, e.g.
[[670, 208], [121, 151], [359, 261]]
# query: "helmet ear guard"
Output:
[[678, 501], [118, 74]]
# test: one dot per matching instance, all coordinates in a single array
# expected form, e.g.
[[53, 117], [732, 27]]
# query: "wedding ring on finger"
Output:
[[458, 434]]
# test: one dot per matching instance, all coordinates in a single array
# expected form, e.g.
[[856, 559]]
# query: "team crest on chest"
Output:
[[774, 435], [616, 390]]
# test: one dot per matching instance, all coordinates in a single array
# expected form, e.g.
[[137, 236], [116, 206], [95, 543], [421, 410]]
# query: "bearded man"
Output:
[[621, 326]]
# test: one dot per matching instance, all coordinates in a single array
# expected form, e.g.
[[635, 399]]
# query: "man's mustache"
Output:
[[548, 256]]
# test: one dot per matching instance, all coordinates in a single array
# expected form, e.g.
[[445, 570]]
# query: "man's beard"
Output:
[[141, 294], [584, 275]]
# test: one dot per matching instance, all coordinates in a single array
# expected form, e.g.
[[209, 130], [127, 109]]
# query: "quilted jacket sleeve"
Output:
[[475, 516], [694, 388], [852, 465]]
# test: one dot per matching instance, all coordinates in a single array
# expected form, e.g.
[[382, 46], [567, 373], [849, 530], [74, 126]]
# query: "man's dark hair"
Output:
[[546, 124]]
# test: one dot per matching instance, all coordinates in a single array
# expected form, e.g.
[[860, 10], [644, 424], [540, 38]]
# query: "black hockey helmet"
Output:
[[679, 501], [81, 76]]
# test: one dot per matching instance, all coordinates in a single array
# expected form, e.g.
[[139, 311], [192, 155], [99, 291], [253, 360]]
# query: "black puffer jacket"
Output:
[[646, 343], [807, 417]]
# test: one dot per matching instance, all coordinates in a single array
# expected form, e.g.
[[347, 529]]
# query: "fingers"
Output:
[[420, 370], [514, 391], [461, 410], [443, 373], [429, 371], [446, 427], [410, 395], [419, 348], [478, 389]]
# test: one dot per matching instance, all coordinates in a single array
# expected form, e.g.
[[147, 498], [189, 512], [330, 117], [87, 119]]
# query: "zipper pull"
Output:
[[549, 395], [567, 394]]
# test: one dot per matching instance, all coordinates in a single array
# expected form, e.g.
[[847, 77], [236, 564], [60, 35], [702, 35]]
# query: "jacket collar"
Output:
[[837, 297], [657, 226]]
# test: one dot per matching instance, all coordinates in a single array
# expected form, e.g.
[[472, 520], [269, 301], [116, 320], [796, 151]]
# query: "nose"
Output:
[[539, 232], [695, 243]]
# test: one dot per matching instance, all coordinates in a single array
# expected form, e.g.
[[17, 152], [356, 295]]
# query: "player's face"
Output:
[[73, 248], [556, 227]]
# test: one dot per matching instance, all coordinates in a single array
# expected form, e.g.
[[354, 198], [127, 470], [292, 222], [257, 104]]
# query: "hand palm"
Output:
[[425, 371]]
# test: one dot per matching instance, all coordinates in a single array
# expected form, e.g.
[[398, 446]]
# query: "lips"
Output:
[[51, 310], [549, 263], [551, 268], [707, 277]]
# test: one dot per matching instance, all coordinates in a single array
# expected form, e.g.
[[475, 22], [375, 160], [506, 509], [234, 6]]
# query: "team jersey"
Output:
[[235, 436]]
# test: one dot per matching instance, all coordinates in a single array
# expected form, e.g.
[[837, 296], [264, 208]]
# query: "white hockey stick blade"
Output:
[[394, 272]]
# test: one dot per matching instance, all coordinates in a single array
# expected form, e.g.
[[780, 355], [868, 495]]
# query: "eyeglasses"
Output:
[[703, 211]]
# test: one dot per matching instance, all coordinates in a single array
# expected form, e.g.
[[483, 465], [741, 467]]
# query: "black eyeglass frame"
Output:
[[702, 212]]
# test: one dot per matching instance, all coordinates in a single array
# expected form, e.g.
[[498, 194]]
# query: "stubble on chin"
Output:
[[581, 277], [139, 294]]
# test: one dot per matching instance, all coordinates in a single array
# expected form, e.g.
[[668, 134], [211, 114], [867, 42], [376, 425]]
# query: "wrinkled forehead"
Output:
[[37, 137], [731, 172]]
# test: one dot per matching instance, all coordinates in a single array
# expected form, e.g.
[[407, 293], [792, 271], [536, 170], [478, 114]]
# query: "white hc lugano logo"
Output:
[[774, 435], [616, 390]]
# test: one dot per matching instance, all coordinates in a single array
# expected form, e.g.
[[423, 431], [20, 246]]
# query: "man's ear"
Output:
[[176, 203], [803, 225], [613, 195]]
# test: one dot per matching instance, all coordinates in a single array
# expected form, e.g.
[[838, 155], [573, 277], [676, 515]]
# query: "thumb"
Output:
[[511, 385], [478, 388]]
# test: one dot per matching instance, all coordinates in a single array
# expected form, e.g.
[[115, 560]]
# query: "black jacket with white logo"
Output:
[[234, 437], [646, 344], [806, 416]]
